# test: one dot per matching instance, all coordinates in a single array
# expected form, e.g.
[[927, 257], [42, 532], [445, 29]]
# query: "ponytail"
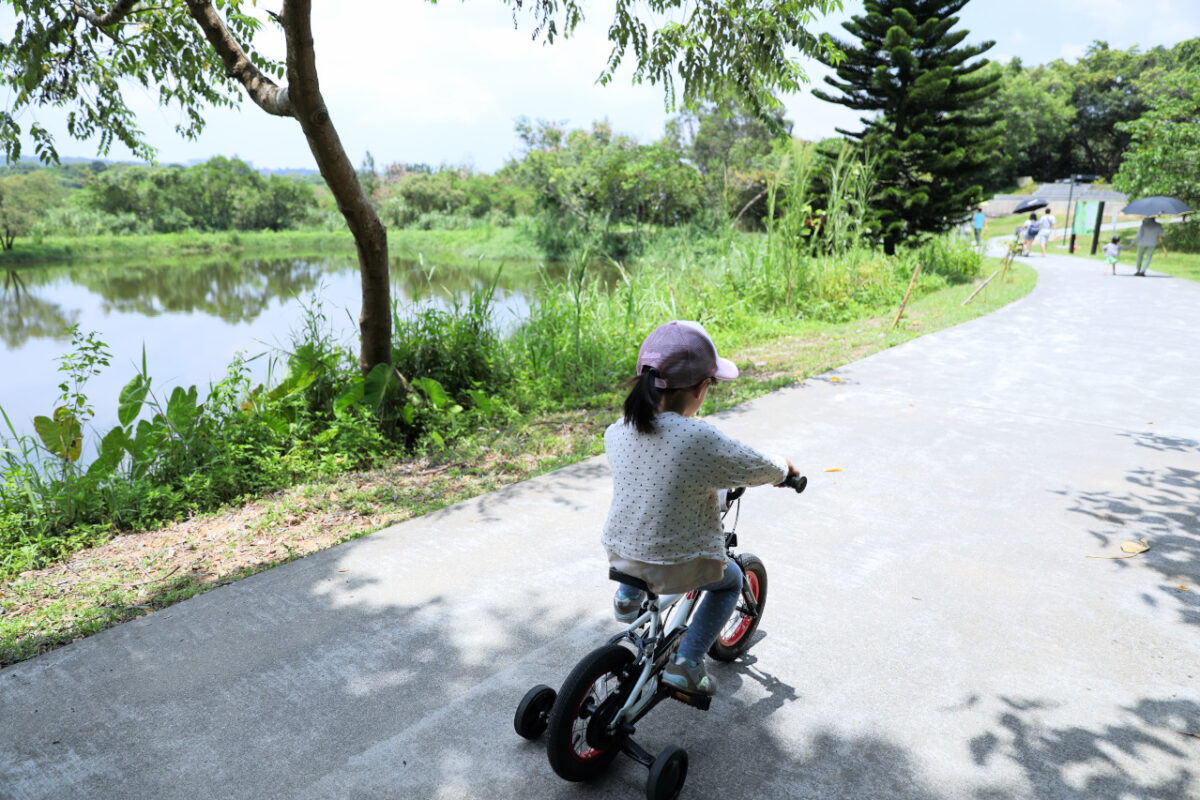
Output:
[[641, 406]]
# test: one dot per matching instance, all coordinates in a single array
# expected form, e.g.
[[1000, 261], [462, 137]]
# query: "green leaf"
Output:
[[182, 408], [352, 395], [112, 450], [433, 390], [378, 384], [131, 399], [62, 436]]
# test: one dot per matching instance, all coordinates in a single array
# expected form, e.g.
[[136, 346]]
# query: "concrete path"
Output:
[[935, 629]]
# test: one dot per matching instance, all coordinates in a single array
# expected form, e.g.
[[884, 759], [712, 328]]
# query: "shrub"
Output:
[[459, 347], [1183, 236]]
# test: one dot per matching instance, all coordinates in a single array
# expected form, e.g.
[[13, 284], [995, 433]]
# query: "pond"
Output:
[[192, 317]]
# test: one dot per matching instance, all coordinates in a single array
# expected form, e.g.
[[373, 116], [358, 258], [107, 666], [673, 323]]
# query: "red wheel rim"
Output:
[[601, 689], [737, 629]]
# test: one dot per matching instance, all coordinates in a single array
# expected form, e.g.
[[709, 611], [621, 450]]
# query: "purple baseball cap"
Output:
[[683, 354]]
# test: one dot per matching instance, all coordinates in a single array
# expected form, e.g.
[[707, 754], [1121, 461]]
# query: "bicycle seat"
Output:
[[637, 583]]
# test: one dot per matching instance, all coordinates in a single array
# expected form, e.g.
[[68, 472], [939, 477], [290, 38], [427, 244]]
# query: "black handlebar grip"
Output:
[[797, 482]]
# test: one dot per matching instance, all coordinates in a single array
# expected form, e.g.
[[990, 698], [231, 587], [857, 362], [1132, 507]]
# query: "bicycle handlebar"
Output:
[[797, 482]]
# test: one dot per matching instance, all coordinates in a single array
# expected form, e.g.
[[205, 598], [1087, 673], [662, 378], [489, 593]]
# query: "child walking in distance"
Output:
[[664, 525], [1112, 252]]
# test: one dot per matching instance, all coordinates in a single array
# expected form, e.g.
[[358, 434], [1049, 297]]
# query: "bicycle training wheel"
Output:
[[735, 638], [533, 712], [576, 743]]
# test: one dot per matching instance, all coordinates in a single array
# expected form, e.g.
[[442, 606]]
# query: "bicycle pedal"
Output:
[[700, 701]]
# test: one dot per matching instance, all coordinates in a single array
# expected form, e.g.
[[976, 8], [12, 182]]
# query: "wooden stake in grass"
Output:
[[1008, 258], [904, 302], [980, 289]]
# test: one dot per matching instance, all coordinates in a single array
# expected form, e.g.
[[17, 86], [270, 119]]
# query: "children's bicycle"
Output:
[[591, 718]]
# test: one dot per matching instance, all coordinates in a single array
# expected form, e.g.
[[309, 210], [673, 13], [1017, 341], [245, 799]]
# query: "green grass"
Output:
[[1004, 226], [509, 243], [1181, 265], [458, 246], [164, 245]]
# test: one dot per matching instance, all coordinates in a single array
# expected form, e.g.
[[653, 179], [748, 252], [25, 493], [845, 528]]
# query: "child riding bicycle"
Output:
[[664, 523]]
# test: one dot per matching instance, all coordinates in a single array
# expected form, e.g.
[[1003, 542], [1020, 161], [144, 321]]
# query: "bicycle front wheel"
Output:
[[735, 638], [578, 744]]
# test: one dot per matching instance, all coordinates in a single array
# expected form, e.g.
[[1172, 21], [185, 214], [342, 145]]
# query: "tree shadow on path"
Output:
[[1161, 504]]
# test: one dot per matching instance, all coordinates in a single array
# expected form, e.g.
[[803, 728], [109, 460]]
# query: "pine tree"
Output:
[[933, 139]]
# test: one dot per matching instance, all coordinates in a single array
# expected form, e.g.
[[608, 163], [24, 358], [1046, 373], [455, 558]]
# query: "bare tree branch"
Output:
[[265, 93]]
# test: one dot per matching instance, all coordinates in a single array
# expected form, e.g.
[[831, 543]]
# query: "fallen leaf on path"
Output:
[[835, 379], [834, 469], [1183, 588], [1133, 548]]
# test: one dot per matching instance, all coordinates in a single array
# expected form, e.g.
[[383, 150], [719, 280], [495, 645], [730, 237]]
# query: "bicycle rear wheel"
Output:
[[576, 743], [735, 638]]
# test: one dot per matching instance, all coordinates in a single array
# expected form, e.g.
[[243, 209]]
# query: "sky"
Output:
[[413, 82]]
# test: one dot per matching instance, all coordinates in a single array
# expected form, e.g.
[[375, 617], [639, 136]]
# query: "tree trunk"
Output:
[[370, 236]]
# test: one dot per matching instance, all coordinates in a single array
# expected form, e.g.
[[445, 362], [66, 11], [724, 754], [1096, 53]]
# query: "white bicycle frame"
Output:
[[678, 608]]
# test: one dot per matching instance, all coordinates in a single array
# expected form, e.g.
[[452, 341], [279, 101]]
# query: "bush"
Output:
[[458, 347], [72, 221], [1183, 236], [951, 257]]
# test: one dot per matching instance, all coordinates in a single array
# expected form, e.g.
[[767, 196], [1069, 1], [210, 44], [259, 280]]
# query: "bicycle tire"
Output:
[[573, 754], [735, 637]]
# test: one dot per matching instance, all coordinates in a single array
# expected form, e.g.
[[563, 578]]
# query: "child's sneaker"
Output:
[[627, 603], [689, 676]]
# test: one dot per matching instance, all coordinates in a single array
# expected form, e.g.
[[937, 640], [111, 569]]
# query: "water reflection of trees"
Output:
[[25, 316], [234, 291]]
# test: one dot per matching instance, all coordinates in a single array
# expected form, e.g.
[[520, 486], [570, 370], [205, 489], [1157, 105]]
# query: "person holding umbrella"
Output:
[[1151, 232], [1031, 232], [1148, 237], [1030, 226]]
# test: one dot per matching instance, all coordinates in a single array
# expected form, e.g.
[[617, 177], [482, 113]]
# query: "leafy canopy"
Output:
[[57, 57], [72, 55], [1164, 154]]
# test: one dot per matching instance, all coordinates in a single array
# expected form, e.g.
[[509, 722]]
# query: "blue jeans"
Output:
[[720, 599]]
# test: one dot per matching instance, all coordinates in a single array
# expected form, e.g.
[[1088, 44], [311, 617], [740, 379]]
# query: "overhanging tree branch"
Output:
[[268, 96], [118, 12]]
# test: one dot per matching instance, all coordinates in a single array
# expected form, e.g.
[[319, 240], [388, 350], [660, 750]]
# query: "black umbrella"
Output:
[[1032, 204], [1153, 206]]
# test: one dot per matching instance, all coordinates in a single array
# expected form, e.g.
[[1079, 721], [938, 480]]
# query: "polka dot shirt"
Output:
[[664, 508]]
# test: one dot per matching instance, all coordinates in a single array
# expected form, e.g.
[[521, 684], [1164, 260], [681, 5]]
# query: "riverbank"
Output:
[[456, 246], [137, 573]]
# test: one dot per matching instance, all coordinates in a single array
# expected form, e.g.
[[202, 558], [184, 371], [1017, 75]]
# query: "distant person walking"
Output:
[[1030, 230], [1148, 237], [1046, 229], [979, 224]]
